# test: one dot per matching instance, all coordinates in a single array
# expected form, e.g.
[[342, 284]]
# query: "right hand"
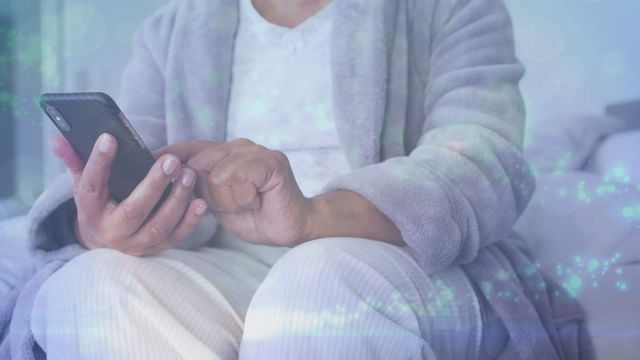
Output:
[[130, 226]]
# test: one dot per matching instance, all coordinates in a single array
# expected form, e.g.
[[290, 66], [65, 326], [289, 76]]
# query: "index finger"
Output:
[[184, 150], [63, 150], [132, 212]]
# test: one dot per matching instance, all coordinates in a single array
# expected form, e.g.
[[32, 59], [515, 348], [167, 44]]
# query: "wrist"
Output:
[[317, 219], [343, 213]]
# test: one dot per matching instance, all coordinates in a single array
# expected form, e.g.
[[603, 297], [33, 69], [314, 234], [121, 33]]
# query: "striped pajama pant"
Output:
[[327, 299]]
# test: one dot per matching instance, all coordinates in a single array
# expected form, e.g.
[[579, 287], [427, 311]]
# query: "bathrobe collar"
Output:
[[362, 38]]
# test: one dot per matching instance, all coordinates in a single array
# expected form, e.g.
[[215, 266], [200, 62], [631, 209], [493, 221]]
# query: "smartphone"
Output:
[[83, 117]]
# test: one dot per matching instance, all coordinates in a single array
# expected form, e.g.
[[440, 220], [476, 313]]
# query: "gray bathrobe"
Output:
[[429, 114]]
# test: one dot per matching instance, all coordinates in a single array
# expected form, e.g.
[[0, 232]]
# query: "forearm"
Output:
[[344, 213]]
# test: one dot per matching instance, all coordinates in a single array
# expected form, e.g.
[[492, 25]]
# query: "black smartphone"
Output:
[[83, 117]]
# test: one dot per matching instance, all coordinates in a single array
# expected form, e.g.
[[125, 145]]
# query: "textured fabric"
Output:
[[180, 305], [338, 298], [281, 94], [429, 114], [559, 228], [14, 257], [346, 298], [60, 225]]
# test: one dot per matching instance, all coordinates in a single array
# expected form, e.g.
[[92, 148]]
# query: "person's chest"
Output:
[[282, 94], [282, 87], [377, 77]]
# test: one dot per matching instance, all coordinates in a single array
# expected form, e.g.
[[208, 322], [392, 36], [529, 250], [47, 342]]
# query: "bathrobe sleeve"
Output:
[[466, 183]]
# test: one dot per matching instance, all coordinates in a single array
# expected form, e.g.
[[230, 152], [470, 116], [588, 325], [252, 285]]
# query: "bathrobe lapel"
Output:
[[203, 83], [362, 41], [362, 38]]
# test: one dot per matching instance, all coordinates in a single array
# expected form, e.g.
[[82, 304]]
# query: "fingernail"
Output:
[[200, 209], [169, 165], [188, 178], [104, 143]]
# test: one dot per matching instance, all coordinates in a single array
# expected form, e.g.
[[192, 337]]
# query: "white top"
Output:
[[281, 94]]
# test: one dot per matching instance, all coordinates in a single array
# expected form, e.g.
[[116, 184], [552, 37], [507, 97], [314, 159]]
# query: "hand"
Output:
[[130, 226], [250, 189]]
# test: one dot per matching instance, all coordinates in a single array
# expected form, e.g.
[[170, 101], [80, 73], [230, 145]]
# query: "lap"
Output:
[[227, 273], [213, 289], [106, 305], [366, 292]]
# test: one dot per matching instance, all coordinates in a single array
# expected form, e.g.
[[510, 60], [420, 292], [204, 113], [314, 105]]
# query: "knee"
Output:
[[81, 295], [329, 267], [327, 257], [337, 286], [102, 271]]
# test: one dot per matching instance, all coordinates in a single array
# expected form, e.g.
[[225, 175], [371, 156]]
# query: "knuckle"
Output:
[[279, 158], [156, 185], [132, 214], [88, 187], [109, 239], [243, 142], [195, 166], [214, 178], [243, 195], [157, 231], [260, 148]]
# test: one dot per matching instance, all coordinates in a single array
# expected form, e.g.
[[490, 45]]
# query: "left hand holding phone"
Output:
[[131, 226]]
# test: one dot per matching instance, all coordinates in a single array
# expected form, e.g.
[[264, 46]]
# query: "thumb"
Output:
[[63, 150]]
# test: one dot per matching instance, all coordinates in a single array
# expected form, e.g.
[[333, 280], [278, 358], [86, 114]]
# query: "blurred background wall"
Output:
[[580, 55], [86, 45], [47, 46], [20, 127]]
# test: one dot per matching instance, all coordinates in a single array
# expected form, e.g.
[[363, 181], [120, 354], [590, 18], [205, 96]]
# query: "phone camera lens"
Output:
[[57, 118]]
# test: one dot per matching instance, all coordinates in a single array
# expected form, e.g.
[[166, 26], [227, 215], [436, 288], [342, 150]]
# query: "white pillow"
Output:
[[618, 157], [566, 144]]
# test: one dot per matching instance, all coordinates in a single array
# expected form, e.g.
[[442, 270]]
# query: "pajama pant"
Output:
[[335, 298]]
